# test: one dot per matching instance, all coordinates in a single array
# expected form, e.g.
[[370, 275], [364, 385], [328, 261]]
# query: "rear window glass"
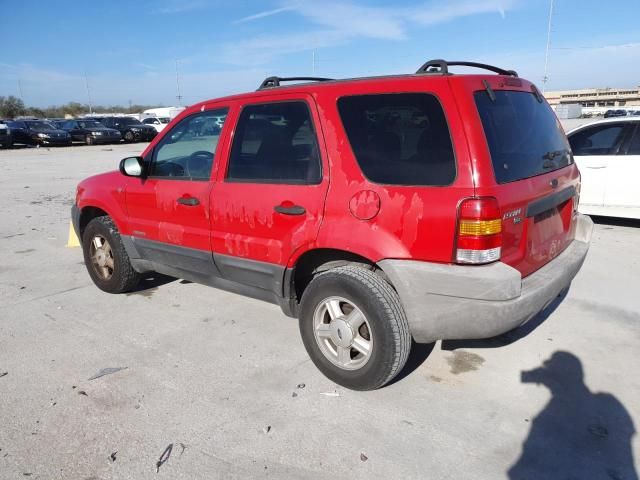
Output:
[[399, 138], [524, 136]]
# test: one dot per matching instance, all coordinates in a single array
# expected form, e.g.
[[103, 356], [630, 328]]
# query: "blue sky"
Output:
[[128, 49]]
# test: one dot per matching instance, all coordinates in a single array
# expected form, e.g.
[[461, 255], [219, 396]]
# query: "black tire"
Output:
[[123, 278], [129, 137], [381, 306], [89, 140]]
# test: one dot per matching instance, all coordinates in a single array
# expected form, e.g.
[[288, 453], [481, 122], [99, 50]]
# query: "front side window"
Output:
[[399, 138], [275, 143], [598, 140], [188, 149]]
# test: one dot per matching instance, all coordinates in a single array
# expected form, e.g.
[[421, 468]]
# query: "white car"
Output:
[[607, 153], [157, 122]]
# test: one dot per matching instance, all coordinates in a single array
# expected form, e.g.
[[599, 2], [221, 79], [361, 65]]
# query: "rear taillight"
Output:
[[479, 231]]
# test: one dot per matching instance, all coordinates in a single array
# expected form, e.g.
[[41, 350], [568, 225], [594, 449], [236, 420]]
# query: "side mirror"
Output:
[[131, 166]]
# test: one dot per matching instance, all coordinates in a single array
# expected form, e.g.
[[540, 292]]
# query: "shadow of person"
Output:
[[579, 434]]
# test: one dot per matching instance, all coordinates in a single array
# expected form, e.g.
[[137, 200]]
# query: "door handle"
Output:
[[289, 209], [596, 167], [188, 201]]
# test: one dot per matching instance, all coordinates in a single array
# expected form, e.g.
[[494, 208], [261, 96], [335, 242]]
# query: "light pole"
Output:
[[546, 53], [86, 81], [178, 96]]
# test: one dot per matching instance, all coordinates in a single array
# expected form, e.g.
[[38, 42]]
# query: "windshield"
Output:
[[524, 136], [164, 119], [90, 124], [40, 126], [129, 121]]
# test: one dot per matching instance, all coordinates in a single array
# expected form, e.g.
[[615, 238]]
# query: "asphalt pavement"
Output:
[[182, 381]]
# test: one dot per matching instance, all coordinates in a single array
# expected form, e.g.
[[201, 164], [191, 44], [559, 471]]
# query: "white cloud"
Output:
[[440, 12], [340, 22], [266, 13], [263, 49], [354, 20], [613, 65]]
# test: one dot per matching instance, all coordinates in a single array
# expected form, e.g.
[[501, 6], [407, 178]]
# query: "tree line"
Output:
[[11, 107]]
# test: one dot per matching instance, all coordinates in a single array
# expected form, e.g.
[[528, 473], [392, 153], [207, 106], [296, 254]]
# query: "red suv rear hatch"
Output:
[[522, 158]]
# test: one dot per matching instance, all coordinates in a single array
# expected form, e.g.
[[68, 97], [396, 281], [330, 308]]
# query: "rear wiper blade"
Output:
[[553, 154]]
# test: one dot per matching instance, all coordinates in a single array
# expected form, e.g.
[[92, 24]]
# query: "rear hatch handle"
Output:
[[547, 203]]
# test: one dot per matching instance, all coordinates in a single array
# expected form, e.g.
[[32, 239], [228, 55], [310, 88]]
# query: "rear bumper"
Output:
[[446, 302]]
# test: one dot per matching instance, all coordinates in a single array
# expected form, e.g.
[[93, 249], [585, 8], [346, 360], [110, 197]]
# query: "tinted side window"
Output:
[[188, 148], [400, 138], [275, 143], [634, 146], [597, 140]]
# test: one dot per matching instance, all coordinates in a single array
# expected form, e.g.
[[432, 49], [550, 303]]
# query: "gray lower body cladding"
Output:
[[259, 280], [447, 302]]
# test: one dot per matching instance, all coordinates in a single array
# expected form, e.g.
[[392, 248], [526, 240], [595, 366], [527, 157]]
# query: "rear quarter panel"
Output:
[[414, 222]]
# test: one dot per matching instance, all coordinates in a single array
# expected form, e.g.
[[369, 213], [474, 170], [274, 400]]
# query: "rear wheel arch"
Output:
[[319, 260]]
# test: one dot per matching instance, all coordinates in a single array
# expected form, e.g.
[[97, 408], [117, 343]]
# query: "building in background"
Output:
[[597, 100]]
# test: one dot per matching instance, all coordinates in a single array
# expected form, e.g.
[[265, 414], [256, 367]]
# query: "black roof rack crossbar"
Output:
[[271, 82], [442, 67]]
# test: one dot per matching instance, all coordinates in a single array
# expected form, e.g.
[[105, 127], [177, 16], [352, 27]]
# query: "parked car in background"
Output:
[[607, 153], [5, 135], [377, 211], [91, 131], [37, 132], [57, 122], [157, 122], [615, 113], [131, 129]]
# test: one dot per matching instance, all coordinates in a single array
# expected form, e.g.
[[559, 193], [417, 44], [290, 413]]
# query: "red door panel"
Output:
[[245, 222], [156, 214]]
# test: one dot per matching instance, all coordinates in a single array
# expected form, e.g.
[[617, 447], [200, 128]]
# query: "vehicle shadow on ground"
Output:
[[418, 355], [579, 434], [511, 336], [150, 282], [616, 222], [420, 352]]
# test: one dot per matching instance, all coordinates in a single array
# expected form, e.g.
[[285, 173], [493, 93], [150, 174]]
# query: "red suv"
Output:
[[375, 210]]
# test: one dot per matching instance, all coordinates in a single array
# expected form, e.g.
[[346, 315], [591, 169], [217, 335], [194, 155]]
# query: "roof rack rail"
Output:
[[442, 67], [271, 82]]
